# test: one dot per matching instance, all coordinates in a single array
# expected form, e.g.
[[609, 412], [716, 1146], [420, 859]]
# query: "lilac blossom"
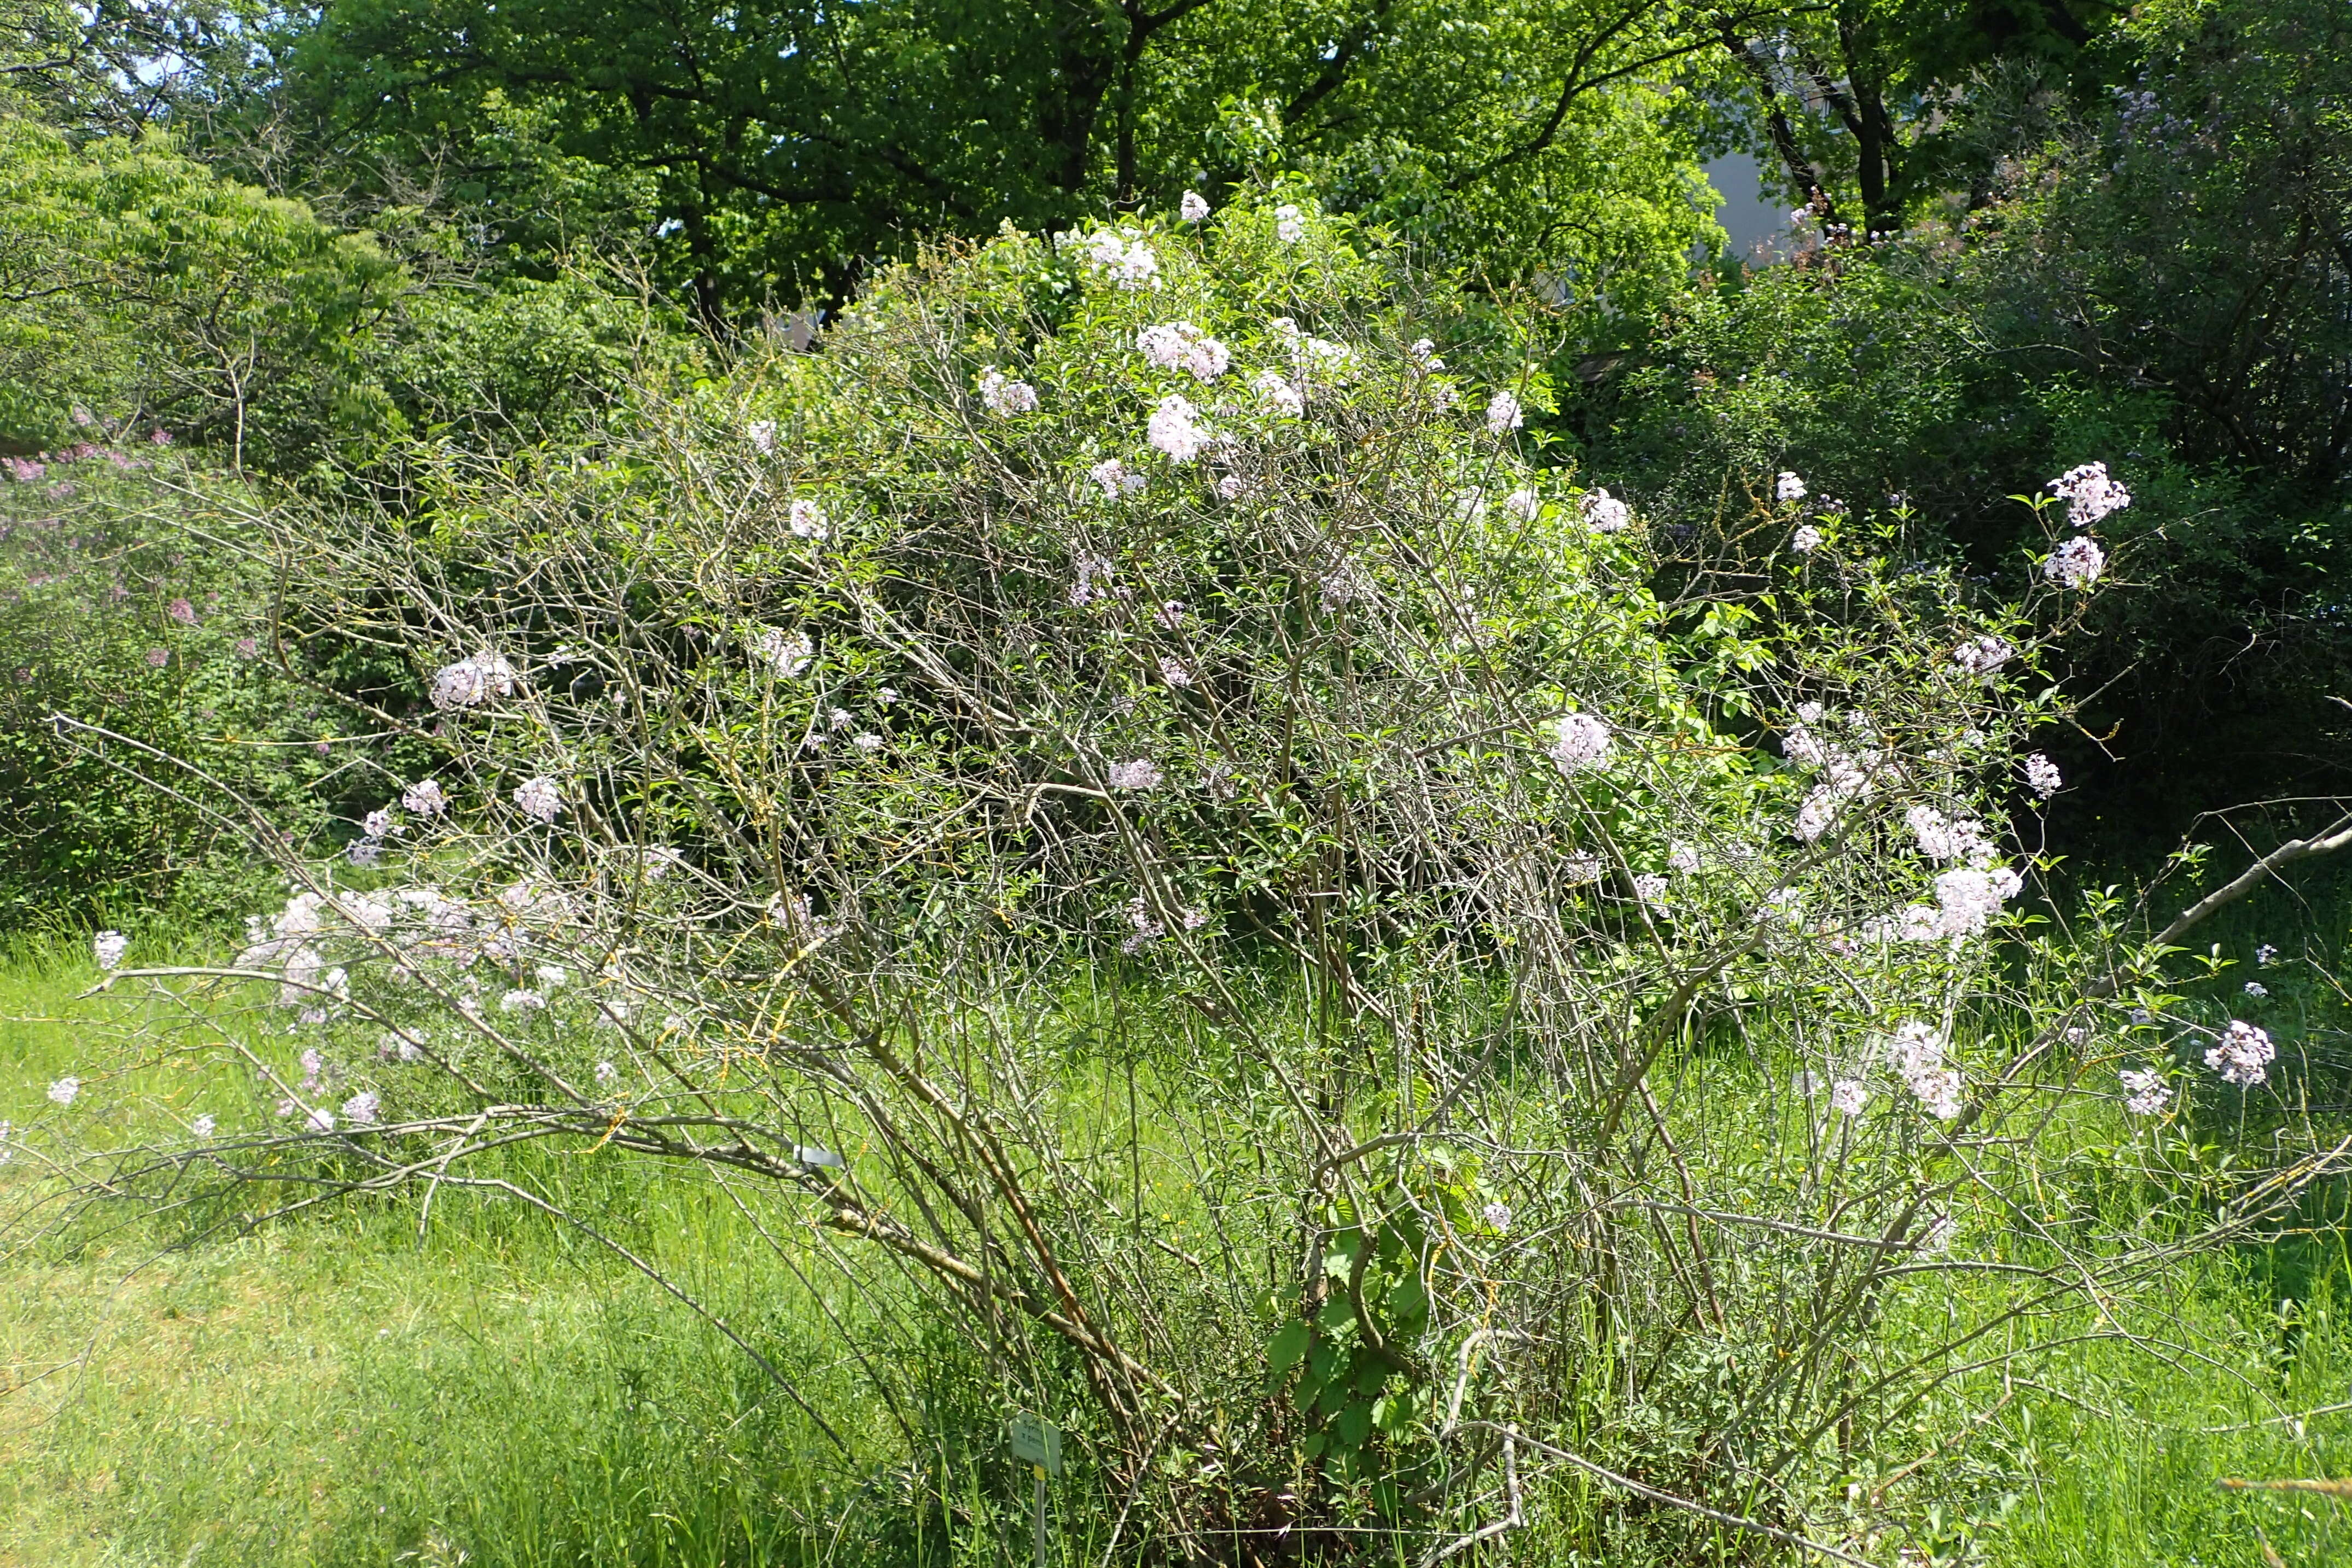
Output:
[[2145, 1094], [2077, 563], [1580, 741], [471, 682], [1180, 346], [805, 518], [1004, 397], [1175, 429], [2243, 1055], [1787, 487], [2042, 775], [2089, 493], [1503, 414], [539, 798], [1605, 513], [1193, 208], [423, 799], [109, 947], [1140, 774]]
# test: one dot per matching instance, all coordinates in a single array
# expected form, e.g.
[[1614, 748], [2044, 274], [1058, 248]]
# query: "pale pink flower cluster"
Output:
[[539, 798], [805, 518], [1524, 504], [1605, 513], [1004, 397], [1140, 774], [1806, 540], [363, 1108], [1175, 429], [1277, 395], [1849, 1096], [63, 1090], [2042, 775], [1094, 579], [1982, 655], [423, 799], [1503, 414], [1917, 1054], [1580, 742], [1787, 487], [1968, 899], [110, 946], [1193, 208], [1150, 927], [2243, 1055], [2089, 493], [1115, 478], [2077, 563], [786, 653], [471, 682], [1180, 346], [1944, 839], [2145, 1094], [1124, 259]]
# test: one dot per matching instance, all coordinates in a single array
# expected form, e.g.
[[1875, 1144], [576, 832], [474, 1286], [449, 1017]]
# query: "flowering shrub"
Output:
[[1315, 769]]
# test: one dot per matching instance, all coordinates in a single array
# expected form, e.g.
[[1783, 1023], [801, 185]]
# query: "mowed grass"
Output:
[[350, 1387]]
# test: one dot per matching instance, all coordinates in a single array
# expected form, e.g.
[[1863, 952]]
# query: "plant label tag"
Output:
[[1037, 1442]]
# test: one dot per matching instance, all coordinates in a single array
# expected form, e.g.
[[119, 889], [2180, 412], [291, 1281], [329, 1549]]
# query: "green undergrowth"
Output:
[[353, 1385]]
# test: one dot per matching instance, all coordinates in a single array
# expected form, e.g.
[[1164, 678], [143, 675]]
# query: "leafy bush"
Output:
[[134, 599], [1120, 816]]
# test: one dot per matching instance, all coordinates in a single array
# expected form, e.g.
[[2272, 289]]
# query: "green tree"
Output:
[[787, 145]]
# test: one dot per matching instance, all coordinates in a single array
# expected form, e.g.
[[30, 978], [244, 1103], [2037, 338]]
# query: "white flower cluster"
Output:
[[1115, 478], [1193, 208], [786, 653], [1140, 774], [2089, 493], [1605, 513], [110, 946], [423, 799], [471, 682], [1277, 395], [1806, 540], [1847, 774], [805, 518], [1124, 259], [1175, 429], [539, 799], [2042, 775], [63, 1090], [1180, 346], [1004, 397], [1580, 742], [2077, 563], [1982, 655], [1941, 838], [1968, 899], [1289, 226], [1849, 1096], [2145, 1094], [1094, 579], [1503, 414], [2243, 1055], [1917, 1054], [1787, 487], [1150, 927]]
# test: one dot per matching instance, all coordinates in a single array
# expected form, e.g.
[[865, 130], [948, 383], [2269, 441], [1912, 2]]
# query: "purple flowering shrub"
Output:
[[1121, 803]]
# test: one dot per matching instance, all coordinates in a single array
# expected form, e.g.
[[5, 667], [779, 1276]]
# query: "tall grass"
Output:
[[355, 1388]]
